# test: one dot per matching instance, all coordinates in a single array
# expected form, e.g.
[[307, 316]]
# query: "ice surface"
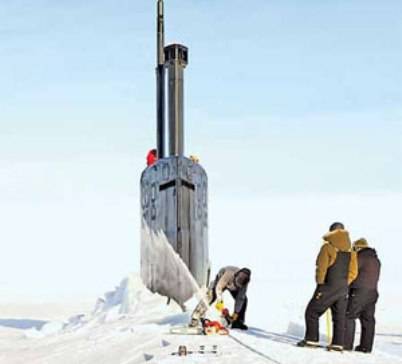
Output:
[[129, 325]]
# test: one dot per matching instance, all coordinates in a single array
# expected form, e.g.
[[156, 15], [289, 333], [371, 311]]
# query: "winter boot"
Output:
[[308, 344], [333, 347], [361, 349], [239, 325], [194, 322]]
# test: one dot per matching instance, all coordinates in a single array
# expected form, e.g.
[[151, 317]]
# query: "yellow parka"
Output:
[[334, 241]]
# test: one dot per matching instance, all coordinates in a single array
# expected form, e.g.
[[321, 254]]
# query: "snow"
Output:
[[159, 259], [130, 325]]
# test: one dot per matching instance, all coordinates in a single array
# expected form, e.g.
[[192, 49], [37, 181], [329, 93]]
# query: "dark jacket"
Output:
[[369, 269]]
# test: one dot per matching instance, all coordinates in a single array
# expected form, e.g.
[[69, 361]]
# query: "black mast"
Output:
[[160, 82]]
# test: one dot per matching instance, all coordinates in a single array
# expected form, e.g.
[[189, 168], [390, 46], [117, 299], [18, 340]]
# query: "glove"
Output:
[[219, 305], [318, 291], [235, 316], [225, 313]]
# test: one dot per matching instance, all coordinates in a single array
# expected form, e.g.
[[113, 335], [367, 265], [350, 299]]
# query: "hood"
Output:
[[339, 239], [367, 252]]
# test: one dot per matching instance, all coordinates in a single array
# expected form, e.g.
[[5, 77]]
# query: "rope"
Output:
[[255, 351]]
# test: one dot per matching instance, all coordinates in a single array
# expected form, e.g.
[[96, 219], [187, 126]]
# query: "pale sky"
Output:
[[282, 97]]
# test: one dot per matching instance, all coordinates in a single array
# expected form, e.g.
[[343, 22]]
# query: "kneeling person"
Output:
[[235, 280]]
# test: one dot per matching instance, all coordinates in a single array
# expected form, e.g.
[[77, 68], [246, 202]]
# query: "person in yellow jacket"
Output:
[[336, 268]]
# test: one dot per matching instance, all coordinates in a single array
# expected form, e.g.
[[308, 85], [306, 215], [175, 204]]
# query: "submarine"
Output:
[[174, 189]]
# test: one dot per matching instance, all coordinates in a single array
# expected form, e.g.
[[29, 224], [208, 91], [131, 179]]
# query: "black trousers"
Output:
[[242, 313], [361, 306], [325, 297]]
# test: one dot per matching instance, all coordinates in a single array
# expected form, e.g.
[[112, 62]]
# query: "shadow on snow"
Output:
[[273, 336], [22, 324]]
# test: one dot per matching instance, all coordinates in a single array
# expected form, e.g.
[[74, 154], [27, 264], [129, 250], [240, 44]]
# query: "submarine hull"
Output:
[[174, 206]]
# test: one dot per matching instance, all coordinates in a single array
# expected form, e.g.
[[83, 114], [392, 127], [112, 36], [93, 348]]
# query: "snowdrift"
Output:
[[130, 300]]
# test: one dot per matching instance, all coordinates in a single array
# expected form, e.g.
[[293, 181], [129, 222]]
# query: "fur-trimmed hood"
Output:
[[339, 239]]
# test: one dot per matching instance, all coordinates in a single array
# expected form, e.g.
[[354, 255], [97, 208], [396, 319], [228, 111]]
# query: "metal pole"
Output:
[[160, 82]]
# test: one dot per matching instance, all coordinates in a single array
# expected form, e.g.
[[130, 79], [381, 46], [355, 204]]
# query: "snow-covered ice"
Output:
[[130, 325]]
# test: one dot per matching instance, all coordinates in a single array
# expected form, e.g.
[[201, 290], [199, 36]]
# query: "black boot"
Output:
[[332, 347], [361, 349], [308, 344], [239, 325]]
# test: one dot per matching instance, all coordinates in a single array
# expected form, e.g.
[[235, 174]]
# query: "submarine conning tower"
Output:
[[174, 190], [176, 58]]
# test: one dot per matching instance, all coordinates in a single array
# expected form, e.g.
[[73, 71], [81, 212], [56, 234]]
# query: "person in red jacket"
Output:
[[151, 157]]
